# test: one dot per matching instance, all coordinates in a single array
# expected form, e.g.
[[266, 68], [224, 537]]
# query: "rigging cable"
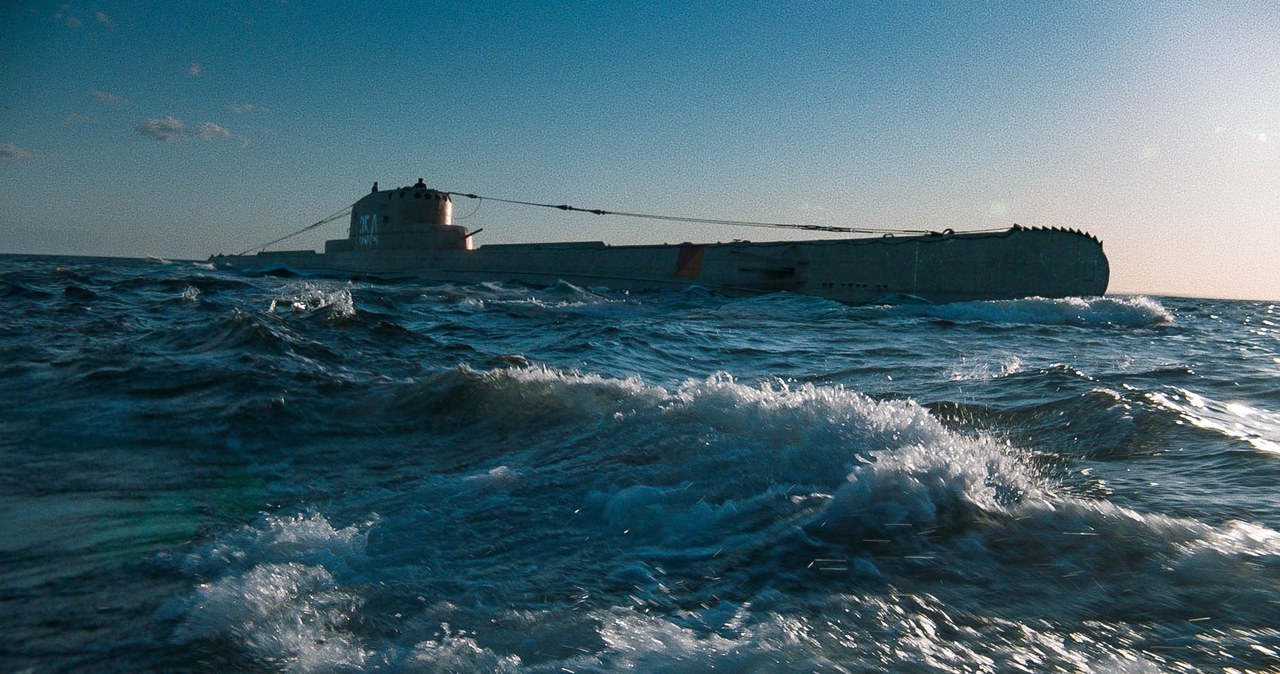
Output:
[[325, 221], [648, 216], [475, 210], [705, 221]]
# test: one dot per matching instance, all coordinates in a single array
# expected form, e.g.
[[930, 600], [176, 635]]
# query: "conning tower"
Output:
[[402, 219]]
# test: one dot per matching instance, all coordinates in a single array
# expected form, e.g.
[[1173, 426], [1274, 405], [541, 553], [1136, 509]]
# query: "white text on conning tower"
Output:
[[368, 229]]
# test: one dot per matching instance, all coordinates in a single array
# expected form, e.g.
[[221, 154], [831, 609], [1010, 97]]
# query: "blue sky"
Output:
[[186, 129]]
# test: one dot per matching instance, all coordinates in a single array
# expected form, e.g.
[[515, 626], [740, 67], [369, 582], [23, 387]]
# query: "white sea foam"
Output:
[[291, 614], [308, 297], [1245, 538], [984, 371], [1258, 427], [501, 475], [307, 538], [274, 593], [1083, 311], [520, 299], [744, 440], [804, 434], [921, 487], [898, 632], [459, 652]]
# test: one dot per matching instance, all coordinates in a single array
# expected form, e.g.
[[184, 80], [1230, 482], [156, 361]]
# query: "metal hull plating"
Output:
[[936, 268]]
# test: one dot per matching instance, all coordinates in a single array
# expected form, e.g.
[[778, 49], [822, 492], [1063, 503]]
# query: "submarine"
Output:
[[407, 233]]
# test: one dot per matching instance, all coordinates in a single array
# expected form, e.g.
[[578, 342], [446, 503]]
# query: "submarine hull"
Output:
[[936, 268]]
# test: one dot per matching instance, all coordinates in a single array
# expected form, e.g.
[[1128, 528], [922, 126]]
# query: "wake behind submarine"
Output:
[[408, 233]]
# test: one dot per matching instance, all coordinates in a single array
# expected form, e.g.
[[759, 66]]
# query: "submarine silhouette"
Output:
[[408, 233]]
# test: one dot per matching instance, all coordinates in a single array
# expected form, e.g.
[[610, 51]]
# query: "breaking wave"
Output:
[[1080, 311], [716, 540]]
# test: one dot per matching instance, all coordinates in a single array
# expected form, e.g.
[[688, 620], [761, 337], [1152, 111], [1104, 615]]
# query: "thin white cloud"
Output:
[[164, 130], [211, 131], [71, 17], [66, 15], [108, 99], [11, 152], [195, 70], [171, 129], [242, 108], [76, 119]]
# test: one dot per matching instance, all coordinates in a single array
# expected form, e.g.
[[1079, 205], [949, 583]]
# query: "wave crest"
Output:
[[1130, 312], [274, 594], [311, 297]]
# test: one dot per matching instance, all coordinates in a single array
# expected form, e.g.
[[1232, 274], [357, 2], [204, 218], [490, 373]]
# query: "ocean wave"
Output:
[[530, 397], [306, 538], [235, 331], [904, 632], [457, 651], [984, 371], [1236, 420], [272, 591], [71, 273], [520, 300], [290, 616], [309, 297], [1077, 311], [79, 293], [409, 477], [776, 306], [707, 523], [317, 603], [19, 290], [802, 433]]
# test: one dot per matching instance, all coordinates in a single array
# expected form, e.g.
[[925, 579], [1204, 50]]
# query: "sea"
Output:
[[203, 470]]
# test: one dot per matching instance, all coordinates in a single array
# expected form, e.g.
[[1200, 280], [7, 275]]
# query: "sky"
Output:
[[185, 129]]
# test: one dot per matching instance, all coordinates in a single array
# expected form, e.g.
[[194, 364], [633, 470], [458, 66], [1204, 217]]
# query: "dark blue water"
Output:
[[201, 470]]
